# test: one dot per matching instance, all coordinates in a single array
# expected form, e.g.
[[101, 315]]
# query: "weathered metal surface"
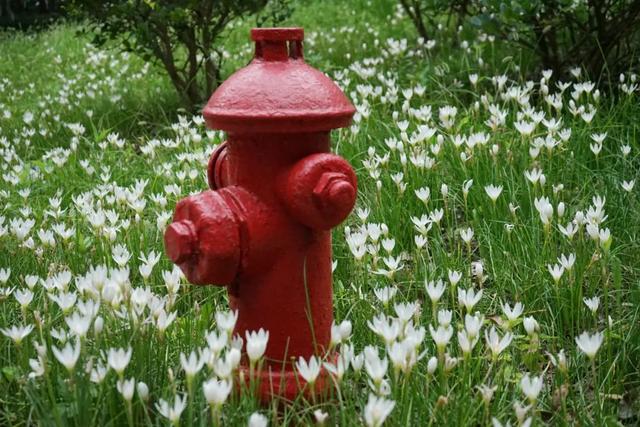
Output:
[[264, 228]]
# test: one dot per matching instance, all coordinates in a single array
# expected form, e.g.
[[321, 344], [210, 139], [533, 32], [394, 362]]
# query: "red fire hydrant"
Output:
[[264, 228]]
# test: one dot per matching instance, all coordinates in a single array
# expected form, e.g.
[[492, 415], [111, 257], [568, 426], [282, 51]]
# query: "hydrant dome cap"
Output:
[[278, 92]]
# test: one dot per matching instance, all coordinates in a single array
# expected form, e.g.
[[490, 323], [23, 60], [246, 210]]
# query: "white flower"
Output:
[[599, 137], [320, 416], [530, 325], [605, 238], [432, 365], [309, 370], [469, 298], [567, 261], [164, 321], [454, 277], [387, 328], [256, 343], [592, 303], [143, 391], [216, 392], [525, 128], [98, 374], [531, 387], [466, 235], [216, 341], [444, 318], [544, 208], [386, 294], [338, 369], [226, 321], [435, 290], [472, 324], [466, 186], [126, 388], [376, 368], [560, 362], [17, 333], [377, 410], [405, 311], [258, 420], [487, 393], [172, 413], [24, 297], [78, 324], [493, 191], [441, 336], [27, 117], [68, 356], [590, 344], [556, 272], [628, 185], [423, 194], [118, 359], [37, 367], [496, 344], [192, 364], [512, 313], [466, 342]]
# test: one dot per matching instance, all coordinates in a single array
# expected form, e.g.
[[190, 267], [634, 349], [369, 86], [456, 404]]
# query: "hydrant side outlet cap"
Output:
[[278, 92]]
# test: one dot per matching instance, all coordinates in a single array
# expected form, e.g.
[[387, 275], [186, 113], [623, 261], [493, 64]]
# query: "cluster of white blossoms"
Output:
[[449, 186]]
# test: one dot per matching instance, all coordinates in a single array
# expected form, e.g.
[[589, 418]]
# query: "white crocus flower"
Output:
[[468, 298], [17, 333], [493, 191], [496, 344], [126, 388], [592, 303], [531, 387], [377, 410], [258, 420], [172, 413], [256, 344], [192, 364], [441, 336], [435, 289], [309, 370], [556, 272], [68, 356], [512, 313], [628, 185], [216, 392], [118, 359], [590, 344]]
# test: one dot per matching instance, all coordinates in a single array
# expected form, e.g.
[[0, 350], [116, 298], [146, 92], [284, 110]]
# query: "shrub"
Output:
[[602, 36], [181, 35], [425, 13]]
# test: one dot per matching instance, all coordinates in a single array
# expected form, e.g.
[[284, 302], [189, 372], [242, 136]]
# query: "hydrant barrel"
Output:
[[263, 230]]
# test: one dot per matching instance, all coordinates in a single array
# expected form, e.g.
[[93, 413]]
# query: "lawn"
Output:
[[496, 224]]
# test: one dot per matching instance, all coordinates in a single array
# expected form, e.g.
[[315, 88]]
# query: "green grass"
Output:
[[139, 104]]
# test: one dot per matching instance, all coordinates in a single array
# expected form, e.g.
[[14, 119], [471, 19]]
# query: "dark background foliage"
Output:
[[602, 36], [29, 13]]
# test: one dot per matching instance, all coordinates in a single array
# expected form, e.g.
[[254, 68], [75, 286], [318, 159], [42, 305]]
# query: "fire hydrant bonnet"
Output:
[[278, 92]]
